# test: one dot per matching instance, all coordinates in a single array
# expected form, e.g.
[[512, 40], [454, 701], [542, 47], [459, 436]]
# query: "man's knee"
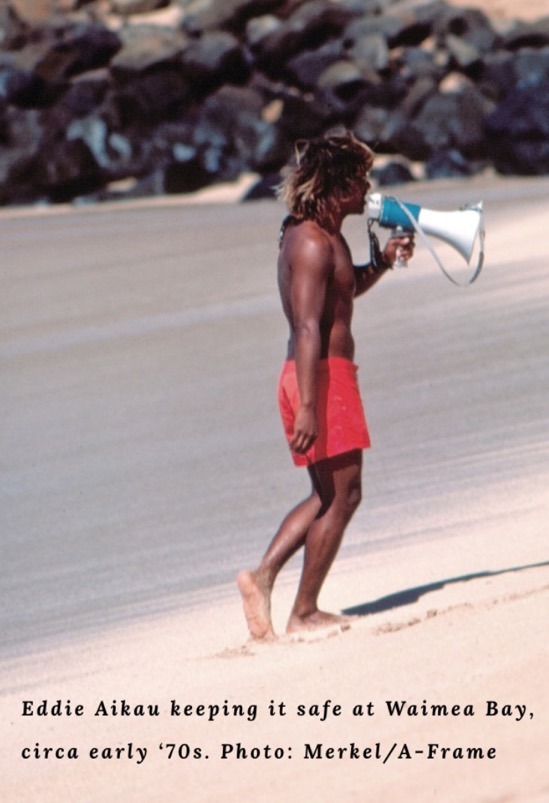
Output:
[[347, 499], [354, 498], [339, 483]]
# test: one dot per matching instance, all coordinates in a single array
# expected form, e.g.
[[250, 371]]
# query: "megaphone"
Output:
[[460, 228]]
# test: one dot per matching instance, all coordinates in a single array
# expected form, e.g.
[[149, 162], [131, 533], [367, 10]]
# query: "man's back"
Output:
[[317, 285]]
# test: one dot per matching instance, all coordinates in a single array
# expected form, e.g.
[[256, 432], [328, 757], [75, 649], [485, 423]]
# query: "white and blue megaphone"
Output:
[[460, 229]]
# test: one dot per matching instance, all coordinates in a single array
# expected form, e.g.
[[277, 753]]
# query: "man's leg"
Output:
[[338, 480], [256, 586]]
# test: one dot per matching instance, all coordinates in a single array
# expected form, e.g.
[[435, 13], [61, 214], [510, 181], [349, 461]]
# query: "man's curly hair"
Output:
[[325, 172]]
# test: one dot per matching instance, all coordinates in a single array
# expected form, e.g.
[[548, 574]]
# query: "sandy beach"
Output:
[[145, 466], [507, 9]]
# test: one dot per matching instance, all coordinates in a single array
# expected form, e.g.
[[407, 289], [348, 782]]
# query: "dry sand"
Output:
[[508, 9], [456, 590]]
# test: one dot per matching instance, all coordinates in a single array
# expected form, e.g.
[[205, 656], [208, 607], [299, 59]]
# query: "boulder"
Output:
[[447, 121], [69, 171], [231, 15], [213, 59], [20, 135], [232, 137], [159, 94], [24, 89], [371, 125], [265, 187], [371, 52], [259, 29], [468, 25], [393, 173], [84, 94], [451, 164], [341, 90], [59, 54], [311, 25], [298, 115], [518, 131], [527, 34], [146, 48], [306, 68], [504, 69]]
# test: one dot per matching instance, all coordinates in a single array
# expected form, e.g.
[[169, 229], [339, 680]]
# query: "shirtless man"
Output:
[[318, 391]]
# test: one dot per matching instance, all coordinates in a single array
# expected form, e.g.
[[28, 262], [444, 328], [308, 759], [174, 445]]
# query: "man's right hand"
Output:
[[305, 430]]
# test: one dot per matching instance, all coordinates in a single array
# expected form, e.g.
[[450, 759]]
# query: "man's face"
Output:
[[357, 200]]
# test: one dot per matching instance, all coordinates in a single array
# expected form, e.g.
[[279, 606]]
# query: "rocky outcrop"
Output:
[[102, 98]]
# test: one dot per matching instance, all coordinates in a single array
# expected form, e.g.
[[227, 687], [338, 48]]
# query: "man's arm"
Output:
[[368, 275], [312, 264]]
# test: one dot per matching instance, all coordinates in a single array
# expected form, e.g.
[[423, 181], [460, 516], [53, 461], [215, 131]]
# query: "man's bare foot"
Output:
[[256, 601], [318, 620]]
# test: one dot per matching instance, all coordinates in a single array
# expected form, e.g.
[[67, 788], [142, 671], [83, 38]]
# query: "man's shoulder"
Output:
[[307, 234], [307, 250]]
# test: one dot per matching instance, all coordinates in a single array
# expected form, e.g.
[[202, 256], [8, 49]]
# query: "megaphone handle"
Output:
[[399, 262]]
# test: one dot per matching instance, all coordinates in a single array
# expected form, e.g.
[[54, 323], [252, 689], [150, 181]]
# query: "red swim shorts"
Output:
[[341, 422]]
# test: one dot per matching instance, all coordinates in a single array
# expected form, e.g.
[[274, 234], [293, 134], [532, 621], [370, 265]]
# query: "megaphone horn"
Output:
[[459, 228]]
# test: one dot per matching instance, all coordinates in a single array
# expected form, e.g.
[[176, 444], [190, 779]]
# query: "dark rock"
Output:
[[393, 173], [469, 25], [449, 121], [306, 68], [463, 53], [531, 66], [111, 152], [310, 26], [341, 89], [531, 34], [188, 175], [86, 47], [503, 69], [299, 116], [518, 131], [389, 27], [85, 94], [371, 126], [147, 48], [418, 94], [451, 164], [23, 89], [387, 90], [63, 170], [69, 52], [156, 95], [418, 62], [231, 15], [20, 134], [401, 25], [213, 59], [524, 157], [371, 52], [232, 137], [264, 188], [259, 29]]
